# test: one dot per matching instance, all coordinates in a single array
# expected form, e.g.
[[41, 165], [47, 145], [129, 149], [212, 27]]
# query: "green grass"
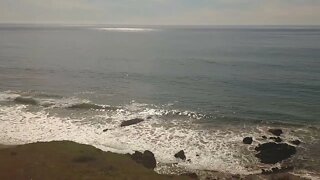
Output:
[[68, 160]]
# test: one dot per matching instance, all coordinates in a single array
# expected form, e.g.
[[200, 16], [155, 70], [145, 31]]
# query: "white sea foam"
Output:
[[8, 96], [164, 132], [216, 149]]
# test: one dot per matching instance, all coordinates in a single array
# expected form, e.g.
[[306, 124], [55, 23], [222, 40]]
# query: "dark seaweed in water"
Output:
[[26, 100], [131, 122], [90, 106]]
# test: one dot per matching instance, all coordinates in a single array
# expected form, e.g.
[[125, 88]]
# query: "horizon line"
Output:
[[123, 24]]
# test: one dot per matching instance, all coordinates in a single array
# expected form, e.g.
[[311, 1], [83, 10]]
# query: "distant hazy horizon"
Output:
[[162, 12], [159, 25]]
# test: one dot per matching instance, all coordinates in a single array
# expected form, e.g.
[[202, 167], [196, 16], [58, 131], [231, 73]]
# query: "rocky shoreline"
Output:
[[273, 151], [70, 160]]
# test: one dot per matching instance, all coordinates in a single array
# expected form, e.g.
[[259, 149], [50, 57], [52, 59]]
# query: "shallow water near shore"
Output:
[[198, 89]]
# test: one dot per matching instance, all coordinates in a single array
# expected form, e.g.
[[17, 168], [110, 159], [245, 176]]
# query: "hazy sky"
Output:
[[161, 11]]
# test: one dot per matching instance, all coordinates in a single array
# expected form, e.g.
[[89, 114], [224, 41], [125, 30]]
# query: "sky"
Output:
[[162, 12]]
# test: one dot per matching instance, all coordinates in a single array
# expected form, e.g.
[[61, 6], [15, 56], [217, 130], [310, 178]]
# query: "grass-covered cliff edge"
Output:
[[69, 160]]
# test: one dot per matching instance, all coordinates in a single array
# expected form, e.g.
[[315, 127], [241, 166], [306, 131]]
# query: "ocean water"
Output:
[[199, 88]]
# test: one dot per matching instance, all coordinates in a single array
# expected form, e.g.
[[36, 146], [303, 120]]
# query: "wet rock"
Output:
[[147, 159], [191, 175], [197, 155], [264, 137], [295, 142], [276, 139], [276, 132], [271, 153], [105, 130], [247, 140], [180, 155], [131, 122], [189, 160]]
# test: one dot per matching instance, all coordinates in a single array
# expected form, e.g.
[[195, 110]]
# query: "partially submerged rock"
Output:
[[276, 132], [276, 139], [180, 155], [147, 159], [247, 140], [131, 122], [271, 153], [296, 142]]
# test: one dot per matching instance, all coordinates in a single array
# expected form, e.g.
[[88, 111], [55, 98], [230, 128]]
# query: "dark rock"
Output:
[[105, 130], [189, 160], [191, 175], [276, 132], [180, 155], [295, 142], [147, 159], [271, 153], [247, 140], [131, 122], [276, 139], [264, 137], [197, 155]]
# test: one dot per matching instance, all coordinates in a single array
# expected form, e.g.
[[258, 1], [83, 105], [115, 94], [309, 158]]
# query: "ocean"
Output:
[[200, 89]]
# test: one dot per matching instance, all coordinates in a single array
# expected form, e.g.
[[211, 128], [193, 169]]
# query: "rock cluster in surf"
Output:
[[180, 155], [274, 152], [271, 152], [146, 158], [247, 140]]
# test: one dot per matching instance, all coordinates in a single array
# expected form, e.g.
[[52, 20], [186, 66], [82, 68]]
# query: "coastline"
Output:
[[67, 159]]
